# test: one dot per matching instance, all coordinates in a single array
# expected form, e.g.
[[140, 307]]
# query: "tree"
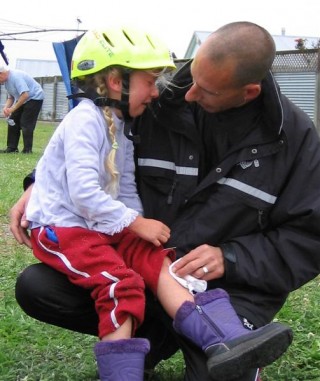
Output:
[[301, 44]]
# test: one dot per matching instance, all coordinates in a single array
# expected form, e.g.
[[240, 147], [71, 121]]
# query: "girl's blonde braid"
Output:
[[110, 164]]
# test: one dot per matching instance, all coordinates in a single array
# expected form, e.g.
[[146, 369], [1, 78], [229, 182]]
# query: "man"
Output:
[[22, 108], [235, 173]]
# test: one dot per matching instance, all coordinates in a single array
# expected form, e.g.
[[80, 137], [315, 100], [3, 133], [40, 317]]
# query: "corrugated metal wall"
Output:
[[62, 105], [3, 97], [47, 110], [298, 74], [300, 88]]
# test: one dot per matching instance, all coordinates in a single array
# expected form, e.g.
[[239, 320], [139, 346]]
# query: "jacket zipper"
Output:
[[260, 215], [170, 196]]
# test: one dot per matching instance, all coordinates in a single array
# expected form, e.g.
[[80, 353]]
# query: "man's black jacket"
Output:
[[261, 203]]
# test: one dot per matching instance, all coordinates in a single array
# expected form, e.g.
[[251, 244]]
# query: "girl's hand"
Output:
[[151, 230], [18, 221]]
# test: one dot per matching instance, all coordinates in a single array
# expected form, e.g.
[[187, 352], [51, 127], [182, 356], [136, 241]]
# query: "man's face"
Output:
[[212, 85]]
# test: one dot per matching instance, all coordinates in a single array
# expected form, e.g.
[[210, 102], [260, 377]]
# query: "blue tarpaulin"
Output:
[[64, 51], [3, 55]]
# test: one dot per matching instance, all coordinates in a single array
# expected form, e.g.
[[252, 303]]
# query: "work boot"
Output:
[[9, 150], [213, 325], [121, 360]]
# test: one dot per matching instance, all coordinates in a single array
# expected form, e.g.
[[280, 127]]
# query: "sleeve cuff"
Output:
[[230, 260], [29, 179]]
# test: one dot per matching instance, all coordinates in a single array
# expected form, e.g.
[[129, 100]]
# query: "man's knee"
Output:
[[49, 296], [30, 287]]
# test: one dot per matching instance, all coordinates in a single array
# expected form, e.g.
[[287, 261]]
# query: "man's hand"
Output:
[[18, 221], [6, 112], [204, 262]]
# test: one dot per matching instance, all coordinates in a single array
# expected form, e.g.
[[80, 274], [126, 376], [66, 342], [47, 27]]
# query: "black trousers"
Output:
[[48, 296], [25, 119]]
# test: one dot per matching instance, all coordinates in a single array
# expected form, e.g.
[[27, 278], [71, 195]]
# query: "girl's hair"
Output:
[[97, 83], [110, 161]]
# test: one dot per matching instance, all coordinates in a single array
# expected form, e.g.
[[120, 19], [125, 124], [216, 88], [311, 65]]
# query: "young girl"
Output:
[[86, 218]]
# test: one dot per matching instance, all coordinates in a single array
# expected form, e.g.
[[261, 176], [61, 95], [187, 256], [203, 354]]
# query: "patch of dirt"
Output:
[[7, 241]]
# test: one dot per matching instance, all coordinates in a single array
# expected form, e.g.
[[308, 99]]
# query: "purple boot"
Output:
[[121, 360], [213, 325]]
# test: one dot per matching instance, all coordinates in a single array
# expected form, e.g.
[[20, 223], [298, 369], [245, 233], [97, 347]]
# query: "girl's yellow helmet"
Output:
[[126, 47]]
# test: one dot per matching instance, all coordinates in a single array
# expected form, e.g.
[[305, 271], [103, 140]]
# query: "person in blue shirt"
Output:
[[22, 107]]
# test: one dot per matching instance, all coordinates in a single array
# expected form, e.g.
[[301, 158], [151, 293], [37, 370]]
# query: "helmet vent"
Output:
[[108, 40], [128, 38], [150, 41]]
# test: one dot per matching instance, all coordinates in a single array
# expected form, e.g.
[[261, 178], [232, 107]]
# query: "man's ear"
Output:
[[114, 82], [252, 91]]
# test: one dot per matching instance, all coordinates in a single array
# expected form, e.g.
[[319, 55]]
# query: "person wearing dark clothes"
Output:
[[233, 168]]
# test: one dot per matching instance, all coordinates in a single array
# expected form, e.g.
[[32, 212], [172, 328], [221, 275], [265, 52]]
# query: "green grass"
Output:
[[34, 351]]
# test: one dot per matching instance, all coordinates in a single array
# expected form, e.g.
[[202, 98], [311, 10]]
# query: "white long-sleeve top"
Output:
[[70, 183]]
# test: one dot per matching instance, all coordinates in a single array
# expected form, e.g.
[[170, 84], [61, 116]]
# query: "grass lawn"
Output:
[[34, 351]]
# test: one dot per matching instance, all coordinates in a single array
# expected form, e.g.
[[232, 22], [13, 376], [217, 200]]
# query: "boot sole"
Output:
[[233, 359]]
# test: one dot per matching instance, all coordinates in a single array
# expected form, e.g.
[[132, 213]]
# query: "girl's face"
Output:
[[142, 91]]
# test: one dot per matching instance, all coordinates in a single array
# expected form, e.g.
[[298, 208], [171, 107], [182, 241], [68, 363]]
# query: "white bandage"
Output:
[[191, 283]]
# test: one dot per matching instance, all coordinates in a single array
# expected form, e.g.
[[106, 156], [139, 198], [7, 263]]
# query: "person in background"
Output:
[[233, 168], [22, 108]]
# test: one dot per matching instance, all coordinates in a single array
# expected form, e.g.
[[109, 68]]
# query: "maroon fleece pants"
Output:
[[116, 268]]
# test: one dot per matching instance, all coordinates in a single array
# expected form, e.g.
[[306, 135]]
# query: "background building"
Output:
[[283, 42], [296, 70]]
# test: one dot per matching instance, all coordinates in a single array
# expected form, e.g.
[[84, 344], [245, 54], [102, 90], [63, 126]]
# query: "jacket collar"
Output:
[[272, 106], [272, 111]]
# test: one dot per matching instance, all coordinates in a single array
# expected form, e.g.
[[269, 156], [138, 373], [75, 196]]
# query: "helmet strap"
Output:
[[122, 104], [125, 95], [128, 120]]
